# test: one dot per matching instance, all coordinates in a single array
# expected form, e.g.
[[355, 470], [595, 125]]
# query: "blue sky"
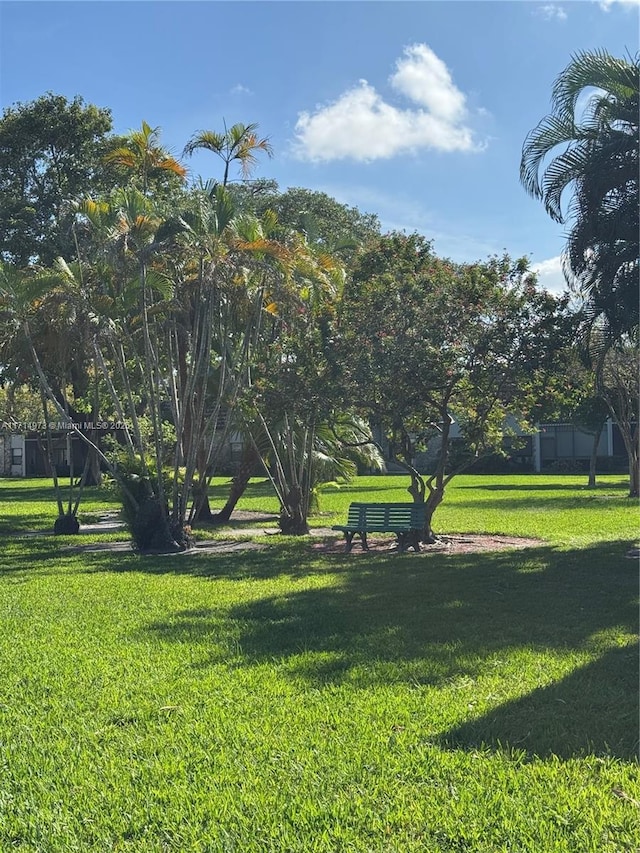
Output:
[[415, 111]]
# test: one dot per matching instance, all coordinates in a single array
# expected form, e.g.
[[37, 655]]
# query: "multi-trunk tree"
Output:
[[426, 343]]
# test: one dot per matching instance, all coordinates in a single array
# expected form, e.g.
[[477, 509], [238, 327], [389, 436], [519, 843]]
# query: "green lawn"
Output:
[[287, 701]]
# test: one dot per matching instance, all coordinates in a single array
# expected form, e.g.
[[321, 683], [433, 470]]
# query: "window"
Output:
[[16, 456]]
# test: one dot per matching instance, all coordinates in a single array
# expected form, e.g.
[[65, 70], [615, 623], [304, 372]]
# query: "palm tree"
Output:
[[594, 152], [240, 143], [144, 157]]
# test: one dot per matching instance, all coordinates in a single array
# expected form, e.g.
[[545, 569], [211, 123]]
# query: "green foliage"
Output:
[[19, 403], [145, 164], [50, 152], [595, 154], [426, 342], [325, 222], [238, 144]]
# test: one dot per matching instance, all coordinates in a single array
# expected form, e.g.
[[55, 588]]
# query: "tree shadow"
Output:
[[423, 619], [275, 559], [40, 493], [23, 554], [44, 492], [543, 487], [258, 519], [15, 524], [385, 486], [430, 619], [549, 503], [591, 711]]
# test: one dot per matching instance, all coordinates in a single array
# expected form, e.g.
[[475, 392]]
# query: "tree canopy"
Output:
[[50, 154], [429, 343], [182, 312]]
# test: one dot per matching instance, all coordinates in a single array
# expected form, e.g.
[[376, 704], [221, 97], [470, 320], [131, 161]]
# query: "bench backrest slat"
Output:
[[364, 515]]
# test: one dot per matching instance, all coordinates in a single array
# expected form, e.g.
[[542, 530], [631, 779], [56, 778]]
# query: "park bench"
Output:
[[406, 520]]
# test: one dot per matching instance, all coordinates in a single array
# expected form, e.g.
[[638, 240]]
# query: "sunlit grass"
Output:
[[557, 508], [283, 700]]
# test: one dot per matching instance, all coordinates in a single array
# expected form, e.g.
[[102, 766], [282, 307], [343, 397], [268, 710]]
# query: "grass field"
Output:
[[285, 701]]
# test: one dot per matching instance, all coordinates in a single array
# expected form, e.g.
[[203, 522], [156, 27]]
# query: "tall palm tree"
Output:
[[239, 142], [594, 152]]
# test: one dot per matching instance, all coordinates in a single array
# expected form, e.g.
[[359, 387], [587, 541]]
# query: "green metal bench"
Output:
[[406, 520]]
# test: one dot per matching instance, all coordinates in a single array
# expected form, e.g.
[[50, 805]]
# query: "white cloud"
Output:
[[551, 12], [550, 275], [239, 89], [363, 126], [425, 79]]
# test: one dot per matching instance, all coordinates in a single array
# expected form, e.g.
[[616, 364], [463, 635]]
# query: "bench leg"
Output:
[[349, 543], [411, 539]]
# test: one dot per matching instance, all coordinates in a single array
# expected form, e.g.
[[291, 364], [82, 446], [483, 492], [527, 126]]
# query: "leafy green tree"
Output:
[[426, 343], [592, 150], [176, 304], [19, 404], [325, 222], [50, 154]]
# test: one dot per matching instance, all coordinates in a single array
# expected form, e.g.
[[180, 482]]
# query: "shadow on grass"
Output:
[[42, 493], [28, 554], [257, 520], [412, 608], [385, 486], [592, 711], [544, 487], [13, 524], [419, 620], [549, 503], [279, 558], [432, 619]]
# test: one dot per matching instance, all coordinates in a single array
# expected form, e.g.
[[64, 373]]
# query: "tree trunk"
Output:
[[436, 492], [200, 487], [634, 464], [239, 483], [203, 507], [433, 502], [593, 459], [66, 525], [634, 479], [152, 532], [147, 518], [94, 475], [293, 521]]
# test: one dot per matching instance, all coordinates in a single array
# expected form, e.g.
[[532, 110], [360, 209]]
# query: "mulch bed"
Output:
[[326, 541], [455, 544]]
